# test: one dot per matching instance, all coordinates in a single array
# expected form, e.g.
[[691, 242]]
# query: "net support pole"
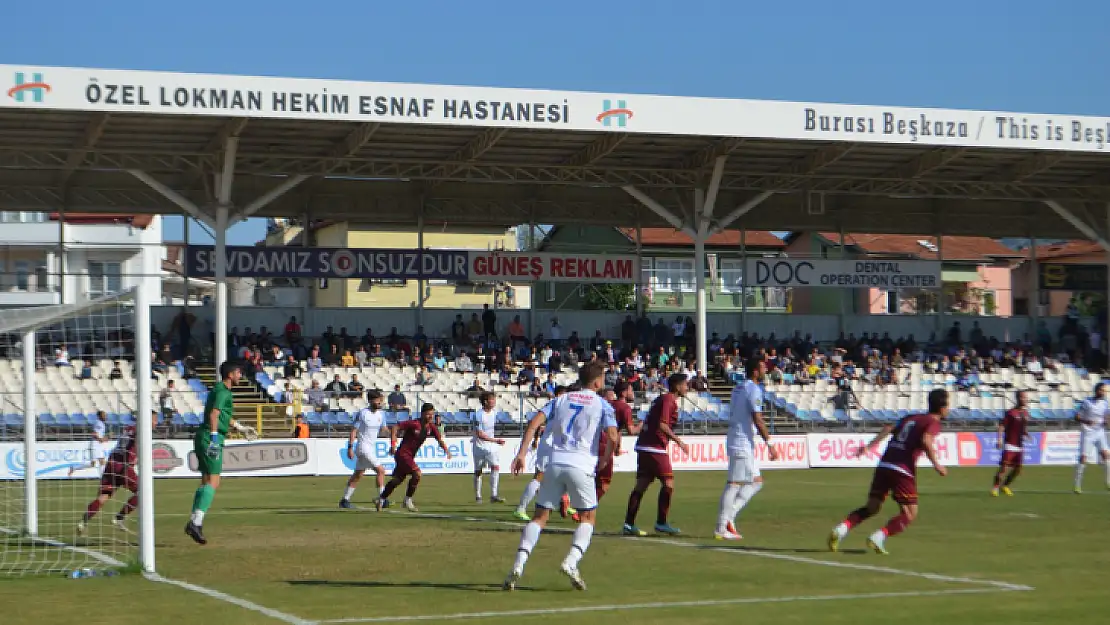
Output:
[[145, 429], [30, 413]]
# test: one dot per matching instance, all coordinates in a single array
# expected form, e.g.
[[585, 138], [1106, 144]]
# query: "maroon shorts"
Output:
[[1011, 459], [654, 466], [406, 466], [605, 475], [888, 481], [118, 475]]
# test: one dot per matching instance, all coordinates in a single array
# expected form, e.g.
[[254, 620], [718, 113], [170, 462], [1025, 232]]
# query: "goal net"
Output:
[[72, 384]]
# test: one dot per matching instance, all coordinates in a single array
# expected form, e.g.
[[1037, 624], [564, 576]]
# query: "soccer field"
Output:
[[283, 545]]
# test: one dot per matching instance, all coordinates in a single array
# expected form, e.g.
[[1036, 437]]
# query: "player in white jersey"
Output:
[[99, 445], [576, 421], [745, 417], [540, 452], [1092, 434], [487, 447], [369, 424]]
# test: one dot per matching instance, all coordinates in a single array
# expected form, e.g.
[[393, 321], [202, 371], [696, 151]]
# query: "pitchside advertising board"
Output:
[[313, 457], [888, 275], [403, 264]]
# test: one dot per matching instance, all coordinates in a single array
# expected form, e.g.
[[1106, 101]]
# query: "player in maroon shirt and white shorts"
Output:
[[1011, 435], [119, 472], [625, 423], [414, 432], [897, 472]]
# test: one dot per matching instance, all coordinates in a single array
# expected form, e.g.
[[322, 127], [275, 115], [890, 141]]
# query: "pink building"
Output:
[[976, 274]]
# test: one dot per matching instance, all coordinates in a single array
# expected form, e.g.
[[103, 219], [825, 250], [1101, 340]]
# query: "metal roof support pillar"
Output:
[[421, 284], [224, 181], [640, 285], [1034, 289], [743, 279], [740, 211], [660, 210], [1104, 330], [702, 208], [845, 294], [174, 197], [267, 198], [62, 253], [940, 295], [1078, 223]]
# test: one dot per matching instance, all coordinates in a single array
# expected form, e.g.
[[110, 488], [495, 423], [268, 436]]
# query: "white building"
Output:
[[102, 254]]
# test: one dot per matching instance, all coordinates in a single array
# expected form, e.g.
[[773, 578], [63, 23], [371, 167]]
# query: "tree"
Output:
[[609, 297]]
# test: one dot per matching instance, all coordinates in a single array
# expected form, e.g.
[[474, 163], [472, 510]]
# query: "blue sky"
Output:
[[983, 54]]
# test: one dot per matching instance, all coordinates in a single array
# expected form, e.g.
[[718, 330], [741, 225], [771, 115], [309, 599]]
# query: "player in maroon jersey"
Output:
[[622, 407], [653, 461], [119, 472], [1011, 434], [897, 472], [414, 432]]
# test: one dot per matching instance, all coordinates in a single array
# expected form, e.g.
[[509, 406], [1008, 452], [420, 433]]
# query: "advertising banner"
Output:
[[399, 264], [888, 275], [1069, 277], [332, 456], [1060, 447], [981, 449], [839, 450]]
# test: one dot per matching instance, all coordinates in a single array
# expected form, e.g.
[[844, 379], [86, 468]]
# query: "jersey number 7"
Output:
[[577, 410]]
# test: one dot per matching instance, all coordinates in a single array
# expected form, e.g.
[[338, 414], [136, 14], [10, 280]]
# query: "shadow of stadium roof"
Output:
[[388, 173]]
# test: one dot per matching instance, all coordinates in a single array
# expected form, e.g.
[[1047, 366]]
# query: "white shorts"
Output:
[[486, 457], [577, 484], [1092, 444], [741, 469], [541, 456], [365, 460]]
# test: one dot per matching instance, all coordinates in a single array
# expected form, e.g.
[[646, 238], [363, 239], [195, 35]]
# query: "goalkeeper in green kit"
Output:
[[208, 444]]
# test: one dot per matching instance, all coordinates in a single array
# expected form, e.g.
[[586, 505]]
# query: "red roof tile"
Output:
[[666, 237], [954, 248], [1072, 252]]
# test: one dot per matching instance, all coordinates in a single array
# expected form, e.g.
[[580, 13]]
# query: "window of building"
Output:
[[22, 275], [549, 292], [732, 276], [990, 303], [893, 303], [105, 277], [673, 275]]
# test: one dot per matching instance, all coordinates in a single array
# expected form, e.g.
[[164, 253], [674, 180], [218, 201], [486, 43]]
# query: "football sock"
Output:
[[478, 485], [633, 507], [1012, 476], [724, 509], [494, 481], [1106, 465], [578, 545], [528, 539], [94, 507], [855, 517], [896, 525], [747, 491], [202, 500], [664, 508], [414, 481], [998, 479], [347, 494], [389, 488], [129, 507], [529, 494], [1079, 468]]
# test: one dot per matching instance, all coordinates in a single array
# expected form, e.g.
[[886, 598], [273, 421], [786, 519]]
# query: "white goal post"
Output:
[[42, 528]]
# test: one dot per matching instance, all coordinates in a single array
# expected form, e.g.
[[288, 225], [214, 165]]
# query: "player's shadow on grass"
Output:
[[373, 584]]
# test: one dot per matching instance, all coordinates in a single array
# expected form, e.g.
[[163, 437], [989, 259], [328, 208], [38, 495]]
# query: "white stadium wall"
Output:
[[437, 322], [312, 457]]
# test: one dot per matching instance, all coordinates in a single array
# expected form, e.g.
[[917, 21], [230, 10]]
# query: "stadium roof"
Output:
[[92, 140]]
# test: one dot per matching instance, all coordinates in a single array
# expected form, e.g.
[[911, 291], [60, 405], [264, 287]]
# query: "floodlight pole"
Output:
[[30, 419], [145, 427]]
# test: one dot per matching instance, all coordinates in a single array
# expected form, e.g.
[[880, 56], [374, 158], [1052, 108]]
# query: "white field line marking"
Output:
[[242, 603], [646, 606], [754, 553], [95, 555]]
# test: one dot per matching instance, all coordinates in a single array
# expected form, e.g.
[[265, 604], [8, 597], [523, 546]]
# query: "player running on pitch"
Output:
[[622, 412], [99, 446], [897, 472], [652, 460], [208, 444], [487, 448], [541, 450], [119, 472], [745, 418], [413, 434], [1011, 434], [1092, 434], [360, 447], [576, 422]]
